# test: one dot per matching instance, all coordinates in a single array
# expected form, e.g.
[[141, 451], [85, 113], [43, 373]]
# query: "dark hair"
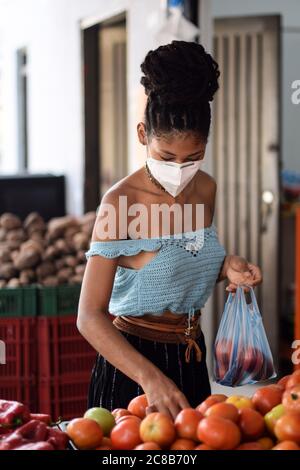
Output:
[[180, 80]]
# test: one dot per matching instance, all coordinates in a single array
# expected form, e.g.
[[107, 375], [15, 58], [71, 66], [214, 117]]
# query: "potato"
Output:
[[30, 273], [62, 247], [34, 222], [32, 245], [87, 222], [17, 234], [81, 258], [38, 236], [50, 253], [45, 269], [70, 232], [50, 281], [13, 283], [80, 269], [58, 225], [14, 255], [7, 271], [13, 244], [64, 275], [87, 217], [71, 261], [27, 259], [3, 233], [24, 280], [5, 254], [81, 241], [59, 263], [10, 221], [77, 279]]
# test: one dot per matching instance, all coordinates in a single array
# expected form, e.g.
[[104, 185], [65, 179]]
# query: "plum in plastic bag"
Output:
[[242, 353]]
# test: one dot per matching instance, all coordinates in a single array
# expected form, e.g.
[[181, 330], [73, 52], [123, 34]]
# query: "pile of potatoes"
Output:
[[49, 254]]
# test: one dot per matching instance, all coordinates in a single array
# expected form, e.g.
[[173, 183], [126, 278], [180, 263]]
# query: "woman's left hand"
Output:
[[240, 271]]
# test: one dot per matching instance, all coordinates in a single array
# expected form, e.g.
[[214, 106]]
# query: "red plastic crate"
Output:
[[11, 389], [64, 398], [18, 375], [62, 349], [65, 365]]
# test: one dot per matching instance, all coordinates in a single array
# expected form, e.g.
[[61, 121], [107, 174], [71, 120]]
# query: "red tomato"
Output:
[[158, 428], [251, 423], [203, 447], [124, 418], [218, 433], [224, 410], [119, 412], [286, 445], [266, 398], [186, 423], [85, 433], [183, 444], [138, 406], [293, 380], [287, 428], [291, 399], [211, 400], [250, 446], [126, 435], [283, 381], [147, 446]]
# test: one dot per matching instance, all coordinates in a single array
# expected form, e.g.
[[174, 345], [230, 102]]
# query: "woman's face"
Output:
[[178, 148]]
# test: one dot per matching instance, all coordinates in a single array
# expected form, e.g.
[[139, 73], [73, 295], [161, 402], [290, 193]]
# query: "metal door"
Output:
[[246, 153]]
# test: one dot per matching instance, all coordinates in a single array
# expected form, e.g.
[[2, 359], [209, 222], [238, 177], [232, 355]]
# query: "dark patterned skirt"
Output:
[[110, 388]]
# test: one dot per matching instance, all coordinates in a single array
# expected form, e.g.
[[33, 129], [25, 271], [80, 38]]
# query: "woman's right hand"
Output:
[[163, 395]]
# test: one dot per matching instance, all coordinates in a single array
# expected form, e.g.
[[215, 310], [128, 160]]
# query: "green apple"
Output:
[[103, 417], [273, 416]]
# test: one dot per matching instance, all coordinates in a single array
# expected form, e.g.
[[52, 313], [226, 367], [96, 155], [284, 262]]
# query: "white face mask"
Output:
[[174, 177]]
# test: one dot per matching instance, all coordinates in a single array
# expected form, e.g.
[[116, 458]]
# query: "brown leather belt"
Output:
[[165, 330]]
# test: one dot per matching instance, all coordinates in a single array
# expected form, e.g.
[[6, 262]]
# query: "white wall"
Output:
[[290, 39], [50, 29]]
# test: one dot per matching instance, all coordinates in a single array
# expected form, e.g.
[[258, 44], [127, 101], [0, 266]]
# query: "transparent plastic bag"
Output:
[[242, 353]]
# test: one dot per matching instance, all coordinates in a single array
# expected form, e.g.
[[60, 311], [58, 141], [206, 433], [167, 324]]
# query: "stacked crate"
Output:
[[65, 358], [48, 363], [18, 376]]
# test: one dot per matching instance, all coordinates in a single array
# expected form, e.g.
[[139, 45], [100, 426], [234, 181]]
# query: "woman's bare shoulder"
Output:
[[207, 180], [118, 198], [129, 186]]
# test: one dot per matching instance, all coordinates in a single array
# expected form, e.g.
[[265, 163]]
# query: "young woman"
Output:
[[155, 284]]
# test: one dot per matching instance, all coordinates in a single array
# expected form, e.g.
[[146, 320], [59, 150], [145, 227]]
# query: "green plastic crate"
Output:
[[61, 300], [18, 301]]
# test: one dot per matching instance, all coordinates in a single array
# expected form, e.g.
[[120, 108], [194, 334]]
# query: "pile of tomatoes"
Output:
[[270, 419]]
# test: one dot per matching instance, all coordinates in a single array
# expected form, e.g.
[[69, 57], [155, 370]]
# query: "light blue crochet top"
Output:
[[179, 278]]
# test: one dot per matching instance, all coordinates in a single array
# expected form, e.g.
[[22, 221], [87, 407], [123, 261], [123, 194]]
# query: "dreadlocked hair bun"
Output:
[[180, 72]]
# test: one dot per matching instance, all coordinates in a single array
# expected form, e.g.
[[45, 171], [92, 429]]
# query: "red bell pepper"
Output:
[[58, 439], [12, 441], [13, 413], [34, 431], [35, 446], [41, 417]]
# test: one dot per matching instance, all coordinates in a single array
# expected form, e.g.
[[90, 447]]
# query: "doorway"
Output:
[[105, 107]]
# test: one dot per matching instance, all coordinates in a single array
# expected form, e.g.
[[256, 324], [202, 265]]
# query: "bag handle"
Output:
[[252, 295]]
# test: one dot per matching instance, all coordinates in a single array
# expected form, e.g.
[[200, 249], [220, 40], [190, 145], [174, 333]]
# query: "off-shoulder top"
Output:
[[179, 278]]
